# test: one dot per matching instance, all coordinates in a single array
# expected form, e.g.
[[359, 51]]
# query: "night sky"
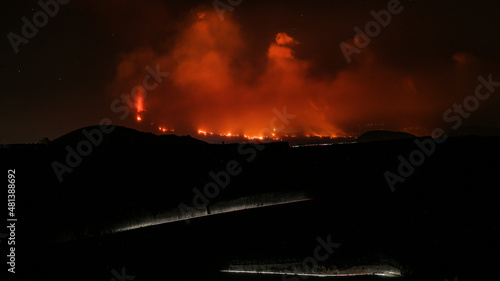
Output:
[[228, 75]]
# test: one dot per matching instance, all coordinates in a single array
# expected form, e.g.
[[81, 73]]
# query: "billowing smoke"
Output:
[[217, 83]]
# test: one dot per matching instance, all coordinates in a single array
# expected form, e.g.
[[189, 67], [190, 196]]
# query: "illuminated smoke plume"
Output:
[[217, 85]]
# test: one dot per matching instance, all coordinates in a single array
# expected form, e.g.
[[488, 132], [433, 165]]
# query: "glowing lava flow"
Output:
[[274, 136], [139, 104], [165, 129], [200, 132], [229, 135]]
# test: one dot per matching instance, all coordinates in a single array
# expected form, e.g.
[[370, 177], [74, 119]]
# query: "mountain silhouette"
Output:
[[122, 136]]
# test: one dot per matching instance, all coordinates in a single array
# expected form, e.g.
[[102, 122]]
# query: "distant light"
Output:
[[216, 209], [391, 274], [364, 270]]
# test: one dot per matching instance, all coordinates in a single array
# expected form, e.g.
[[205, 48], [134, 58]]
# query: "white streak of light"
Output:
[[388, 274]]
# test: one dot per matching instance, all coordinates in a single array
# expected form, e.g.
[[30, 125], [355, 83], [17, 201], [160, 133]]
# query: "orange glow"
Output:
[[163, 129], [283, 39], [221, 85], [201, 16], [139, 118], [139, 103]]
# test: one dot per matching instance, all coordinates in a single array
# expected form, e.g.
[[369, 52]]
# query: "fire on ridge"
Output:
[[219, 84]]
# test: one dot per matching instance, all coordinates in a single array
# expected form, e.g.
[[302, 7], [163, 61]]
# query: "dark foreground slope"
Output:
[[441, 222]]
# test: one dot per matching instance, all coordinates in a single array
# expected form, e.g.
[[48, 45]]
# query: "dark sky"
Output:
[[425, 60]]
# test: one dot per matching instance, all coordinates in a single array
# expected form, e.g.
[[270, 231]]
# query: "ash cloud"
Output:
[[219, 83]]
